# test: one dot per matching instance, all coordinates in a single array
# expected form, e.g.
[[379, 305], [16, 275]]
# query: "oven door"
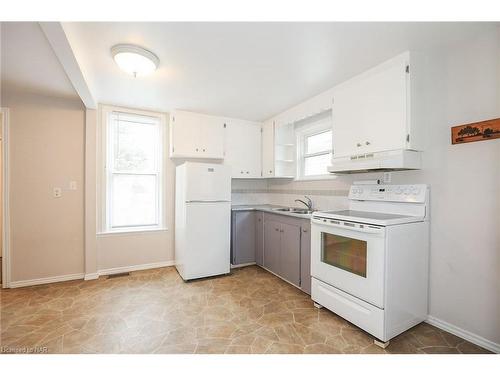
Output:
[[349, 256]]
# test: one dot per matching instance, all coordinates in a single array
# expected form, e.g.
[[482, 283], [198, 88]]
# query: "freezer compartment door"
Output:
[[207, 182], [207, 244]]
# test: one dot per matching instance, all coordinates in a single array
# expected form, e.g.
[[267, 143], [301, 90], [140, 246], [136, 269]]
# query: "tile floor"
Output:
[[249, 311]]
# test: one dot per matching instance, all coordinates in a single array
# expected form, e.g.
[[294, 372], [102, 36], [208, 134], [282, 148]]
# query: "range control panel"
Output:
[[389, 193]]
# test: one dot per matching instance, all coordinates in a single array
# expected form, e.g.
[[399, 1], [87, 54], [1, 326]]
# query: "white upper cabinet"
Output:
[[243, 148], [371, 111], [268, 149], [194, 135]]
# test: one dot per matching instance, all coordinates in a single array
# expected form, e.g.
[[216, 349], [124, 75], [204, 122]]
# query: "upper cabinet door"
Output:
[[184, 134], [243, 148], [194, 135], [212, 137], [370, 111], [268, 149]]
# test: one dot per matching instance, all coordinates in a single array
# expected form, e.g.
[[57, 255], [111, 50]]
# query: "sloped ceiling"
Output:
[[28, 62]]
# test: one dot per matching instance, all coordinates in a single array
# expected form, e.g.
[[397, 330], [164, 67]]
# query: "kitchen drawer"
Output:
[[356, 311]]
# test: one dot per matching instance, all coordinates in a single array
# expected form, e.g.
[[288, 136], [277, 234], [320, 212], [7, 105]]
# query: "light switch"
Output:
[[57, 192], [72, 185]]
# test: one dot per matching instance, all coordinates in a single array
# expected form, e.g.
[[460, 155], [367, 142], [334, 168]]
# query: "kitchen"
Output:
[[336, 218]]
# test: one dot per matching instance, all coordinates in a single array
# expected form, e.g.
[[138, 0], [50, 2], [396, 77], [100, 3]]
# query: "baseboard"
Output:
[[243, 265], [466, 335], [139, 267], [45, 280], [89, 276]]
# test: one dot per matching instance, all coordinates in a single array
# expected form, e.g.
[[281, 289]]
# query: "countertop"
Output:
[[269, 208]]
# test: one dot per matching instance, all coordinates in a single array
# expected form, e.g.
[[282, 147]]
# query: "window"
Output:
[[315, 148], [133, 171]]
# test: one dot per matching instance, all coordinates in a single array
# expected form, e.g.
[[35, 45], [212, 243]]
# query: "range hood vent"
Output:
[[386, 161]]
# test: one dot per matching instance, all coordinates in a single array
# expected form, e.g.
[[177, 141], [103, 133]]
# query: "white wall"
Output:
[[459, 84], [134, 250], [465, 188], [46, 144]]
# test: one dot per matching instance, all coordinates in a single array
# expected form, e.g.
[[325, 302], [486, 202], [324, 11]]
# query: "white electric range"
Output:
[[369, 264]]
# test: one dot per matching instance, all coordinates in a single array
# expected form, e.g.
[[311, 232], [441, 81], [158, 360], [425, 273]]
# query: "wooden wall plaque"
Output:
[[476, 131]]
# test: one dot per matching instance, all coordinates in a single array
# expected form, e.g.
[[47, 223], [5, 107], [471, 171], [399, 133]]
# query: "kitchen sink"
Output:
[[294, 210]]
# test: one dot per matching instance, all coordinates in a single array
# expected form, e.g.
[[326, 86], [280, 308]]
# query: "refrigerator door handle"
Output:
[[207, 201]]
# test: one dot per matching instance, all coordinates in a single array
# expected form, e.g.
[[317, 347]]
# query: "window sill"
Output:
[[130, 232], [317, 178]]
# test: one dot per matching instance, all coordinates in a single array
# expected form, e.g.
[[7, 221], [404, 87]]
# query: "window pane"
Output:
[[135, 146], [317, 165], [133, 200], [319, 142]]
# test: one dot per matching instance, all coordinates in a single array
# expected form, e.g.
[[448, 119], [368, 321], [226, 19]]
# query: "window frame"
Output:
[[302, 155], [107, 161]]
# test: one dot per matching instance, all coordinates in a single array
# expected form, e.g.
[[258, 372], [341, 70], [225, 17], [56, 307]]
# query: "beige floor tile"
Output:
[[321, 349], [238, 349], [284, 348], [154, 311]]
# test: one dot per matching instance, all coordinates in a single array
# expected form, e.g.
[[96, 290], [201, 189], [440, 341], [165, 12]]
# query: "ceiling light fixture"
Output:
[[134, 60]]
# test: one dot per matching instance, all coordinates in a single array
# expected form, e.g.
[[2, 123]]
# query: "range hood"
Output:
[[394, 160]]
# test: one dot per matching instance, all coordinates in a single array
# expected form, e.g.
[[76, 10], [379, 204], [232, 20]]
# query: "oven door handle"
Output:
[[349, 226]]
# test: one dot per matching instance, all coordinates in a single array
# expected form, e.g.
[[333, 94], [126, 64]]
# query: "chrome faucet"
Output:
[[309, 203]]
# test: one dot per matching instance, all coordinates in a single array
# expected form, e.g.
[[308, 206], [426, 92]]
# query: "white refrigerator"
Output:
[[202, 219]]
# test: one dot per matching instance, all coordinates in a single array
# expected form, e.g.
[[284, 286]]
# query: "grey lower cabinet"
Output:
[[287, 249], [279, 243], [272, 245], [259, 238], [305, 257], [243, 237]]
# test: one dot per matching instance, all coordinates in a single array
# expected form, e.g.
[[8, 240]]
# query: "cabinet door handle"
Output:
[[281, 231], [304, 230], [196, 150], [248, 172], [241, 172], [367, 143], [271, 171], [277, 229], [203, 150], [358, 144]]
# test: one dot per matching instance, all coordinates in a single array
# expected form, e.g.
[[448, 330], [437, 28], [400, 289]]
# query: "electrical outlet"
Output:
[[387, 177], [57, 192], [72, 185]]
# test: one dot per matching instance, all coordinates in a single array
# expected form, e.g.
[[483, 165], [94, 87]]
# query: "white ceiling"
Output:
[[243, 70], [28, 62]]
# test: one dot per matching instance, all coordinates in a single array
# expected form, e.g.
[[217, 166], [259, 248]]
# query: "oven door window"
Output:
[[345, 253]]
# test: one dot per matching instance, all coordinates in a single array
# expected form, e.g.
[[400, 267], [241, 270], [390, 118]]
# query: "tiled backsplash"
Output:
[[285, 193]]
